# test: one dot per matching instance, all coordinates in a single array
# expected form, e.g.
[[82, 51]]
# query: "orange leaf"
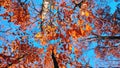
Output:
[[70, 47], [87, 13], [82, 31], [80, 22], [88, 27], [43, 42]]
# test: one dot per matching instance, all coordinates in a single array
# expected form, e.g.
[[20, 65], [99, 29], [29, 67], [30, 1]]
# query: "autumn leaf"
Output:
[[88, 27], [82, 32], [82, 13], [63, 4], [80, 22], [87, 13], [70, 47], [38, 35]]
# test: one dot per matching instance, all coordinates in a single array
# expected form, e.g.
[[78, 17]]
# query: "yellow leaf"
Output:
[[43, 41], [88, 27], [87, 13], [38, 35], [82, 13]]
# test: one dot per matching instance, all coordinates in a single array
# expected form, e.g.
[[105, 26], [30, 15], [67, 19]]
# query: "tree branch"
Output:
[[78, 5], [106, 37], [98, 37], [109, 37]]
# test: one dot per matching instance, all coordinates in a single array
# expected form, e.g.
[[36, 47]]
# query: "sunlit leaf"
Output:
[[88, 27]]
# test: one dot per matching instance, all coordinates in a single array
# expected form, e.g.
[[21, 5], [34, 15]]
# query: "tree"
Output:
[[63, 33]]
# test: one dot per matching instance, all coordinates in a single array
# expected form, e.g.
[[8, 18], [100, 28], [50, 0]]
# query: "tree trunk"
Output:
[[54, 60]]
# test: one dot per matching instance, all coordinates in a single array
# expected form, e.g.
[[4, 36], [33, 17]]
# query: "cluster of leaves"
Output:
[[15, 12], [20, 55], [49, 34], [107, 24]]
